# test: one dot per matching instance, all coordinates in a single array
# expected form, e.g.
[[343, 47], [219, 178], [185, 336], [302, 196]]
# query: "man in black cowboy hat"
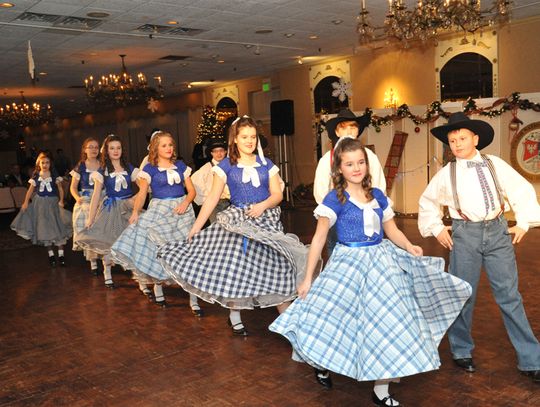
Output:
[[216, 151], [345, 124], [477, 189]]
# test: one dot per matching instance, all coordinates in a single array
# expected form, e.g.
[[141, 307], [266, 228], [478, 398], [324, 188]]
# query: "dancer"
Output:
[[476, 188], [379, 309], [243, 260], [169, 215], [81, 189], [44, 220], [109, 216]]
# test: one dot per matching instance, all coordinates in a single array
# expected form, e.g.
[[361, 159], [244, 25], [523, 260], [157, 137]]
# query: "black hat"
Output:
[[460, 120], [215, 142], [345, 115]]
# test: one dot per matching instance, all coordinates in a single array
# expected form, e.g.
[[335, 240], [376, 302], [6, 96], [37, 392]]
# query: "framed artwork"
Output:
[[525, 152]]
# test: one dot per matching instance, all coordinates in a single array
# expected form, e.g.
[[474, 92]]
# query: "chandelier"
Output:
[[121, 89], [23, 114], [429, 18]]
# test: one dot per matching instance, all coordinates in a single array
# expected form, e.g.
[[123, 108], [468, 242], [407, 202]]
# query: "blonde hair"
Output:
[[154, 144]]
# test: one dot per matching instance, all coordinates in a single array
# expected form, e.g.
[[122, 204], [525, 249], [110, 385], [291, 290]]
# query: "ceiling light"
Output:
[[248, 46], [263, 31], [257, 50], [16, 115], [43, 73], [189, 85], [172, 22], [337, 22], [288, 35], [7, 5], [313, 37], [221, 61], [300, 61], [98, 14]]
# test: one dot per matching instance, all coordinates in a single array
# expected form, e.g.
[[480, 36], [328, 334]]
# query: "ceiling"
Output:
[[218, 39]]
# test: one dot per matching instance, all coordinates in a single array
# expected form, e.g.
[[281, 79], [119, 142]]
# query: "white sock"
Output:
[[381, 390], [93, 264], [194, 301], [60, 252], [158, 292], [107, 269], [143, 287], [51, 253], [235, 318]]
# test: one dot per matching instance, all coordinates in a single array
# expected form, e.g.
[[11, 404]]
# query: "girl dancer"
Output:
[[44, 221], [376, 312], [81, 189], [169, 214], [108, 217], [244, 259]]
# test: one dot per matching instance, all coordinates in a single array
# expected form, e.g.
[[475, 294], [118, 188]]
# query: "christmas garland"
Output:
[[435, 111]]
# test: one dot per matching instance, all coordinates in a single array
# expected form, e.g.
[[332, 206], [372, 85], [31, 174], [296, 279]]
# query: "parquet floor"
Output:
[[65, 340]]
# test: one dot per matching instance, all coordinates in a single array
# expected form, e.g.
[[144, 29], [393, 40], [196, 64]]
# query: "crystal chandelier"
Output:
[[16, 115], [121, 89], [429, 18]]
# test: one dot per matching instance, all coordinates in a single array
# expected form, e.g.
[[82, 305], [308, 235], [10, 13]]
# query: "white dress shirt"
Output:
[[202, 181], [323, 175], [518, 193]]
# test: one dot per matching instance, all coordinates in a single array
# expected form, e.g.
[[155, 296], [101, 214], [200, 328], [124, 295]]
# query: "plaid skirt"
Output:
[[111, 220], [44, 222], [80, 214], [134, 250], [238, 261], [374, 313]]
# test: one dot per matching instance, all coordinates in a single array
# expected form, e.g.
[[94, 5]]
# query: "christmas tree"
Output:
[[212, 123]]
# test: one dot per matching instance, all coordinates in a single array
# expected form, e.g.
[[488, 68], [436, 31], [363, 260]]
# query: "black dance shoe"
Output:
[[62, 261], [466, 364], [533, 374], [196, 310], [161, 303], [237, 329], [52, 261], [109, 284], [387, 401], [323, 378]]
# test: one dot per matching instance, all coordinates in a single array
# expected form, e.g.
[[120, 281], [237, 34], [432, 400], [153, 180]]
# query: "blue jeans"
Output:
[[489, 244]]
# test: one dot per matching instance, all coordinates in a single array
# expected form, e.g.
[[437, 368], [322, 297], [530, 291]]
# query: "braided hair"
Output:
[[339, 181]]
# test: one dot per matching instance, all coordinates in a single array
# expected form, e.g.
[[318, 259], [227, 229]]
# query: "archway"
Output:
[[466, 75]]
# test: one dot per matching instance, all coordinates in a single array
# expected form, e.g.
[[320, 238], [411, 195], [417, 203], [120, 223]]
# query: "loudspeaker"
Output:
[[282, 117]]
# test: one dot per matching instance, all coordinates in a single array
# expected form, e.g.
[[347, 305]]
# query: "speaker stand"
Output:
[[284, 168]]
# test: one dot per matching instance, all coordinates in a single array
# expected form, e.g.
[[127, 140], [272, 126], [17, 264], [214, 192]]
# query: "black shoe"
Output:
[[323, 378], [387, 401], [52, 261], [466, 364], [161, 303], [196, 310], [109, 284], [94, 272], [148, 293], [62, 261], [533, 374], [237, 329]]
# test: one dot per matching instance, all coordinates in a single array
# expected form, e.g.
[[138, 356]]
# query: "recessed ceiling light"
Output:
[[172, 22], [337, 22], [221, 61], [313, 37], [7, 5], [43, 73], [288, 35], [248, 46], [93, 54], [98, 14], [263, 31]]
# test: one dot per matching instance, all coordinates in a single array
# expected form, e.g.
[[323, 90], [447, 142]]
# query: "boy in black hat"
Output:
[[477, 188], [216, 149], [345, 124]]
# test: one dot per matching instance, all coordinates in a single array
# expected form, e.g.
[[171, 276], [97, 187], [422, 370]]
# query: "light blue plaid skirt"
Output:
[[374, 312], [80, 215], [134, 250], [238, 261]]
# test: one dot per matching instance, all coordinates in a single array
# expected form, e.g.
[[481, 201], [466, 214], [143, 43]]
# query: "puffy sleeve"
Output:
[[58, 180], [74, 174], [146, 173], [134, 173], [222, 169], [329, 208], [272, 168], [385, 203], [32, 182], [97, 176], [183, 169]]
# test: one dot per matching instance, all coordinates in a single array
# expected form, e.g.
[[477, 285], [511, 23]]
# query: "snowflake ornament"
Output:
[[342, 90], [153, 105]]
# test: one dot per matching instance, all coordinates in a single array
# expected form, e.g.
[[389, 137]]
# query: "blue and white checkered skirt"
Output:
[[44, 222], [374, 312], [238, 262], [80, 214], [134, 250], [111, 220]]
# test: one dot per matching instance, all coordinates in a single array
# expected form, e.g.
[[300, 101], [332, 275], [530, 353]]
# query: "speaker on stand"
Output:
[[282, 125]]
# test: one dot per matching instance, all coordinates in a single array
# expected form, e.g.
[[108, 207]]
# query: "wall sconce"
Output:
[[391, 99]]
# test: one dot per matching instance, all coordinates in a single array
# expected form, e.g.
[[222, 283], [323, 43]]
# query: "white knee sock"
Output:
[[235, 318], [143, 287], [50, 252], [107, 269], [93, 264], [193, 301], [158, 292], [60, 252]]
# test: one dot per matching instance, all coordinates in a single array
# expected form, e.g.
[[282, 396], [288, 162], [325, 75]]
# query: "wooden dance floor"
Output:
[[66, 340]]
